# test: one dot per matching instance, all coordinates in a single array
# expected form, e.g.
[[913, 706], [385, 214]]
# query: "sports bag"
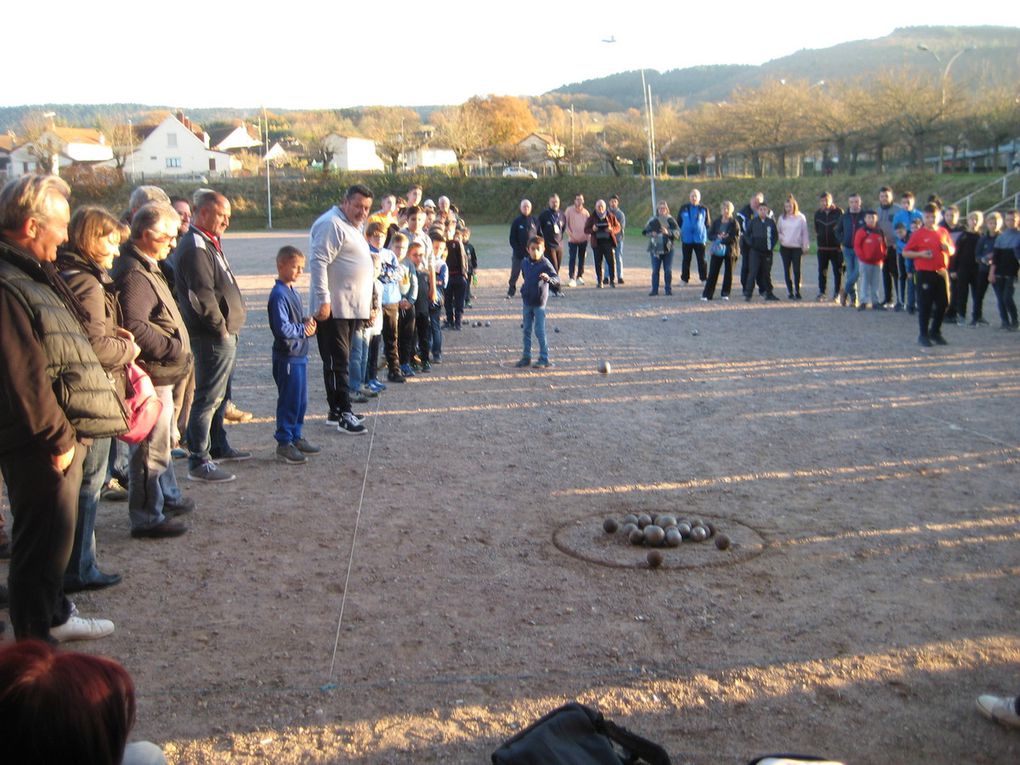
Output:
[[578, 735]]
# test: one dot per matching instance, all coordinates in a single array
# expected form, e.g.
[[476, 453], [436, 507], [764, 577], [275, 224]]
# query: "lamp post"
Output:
[[944, 80]]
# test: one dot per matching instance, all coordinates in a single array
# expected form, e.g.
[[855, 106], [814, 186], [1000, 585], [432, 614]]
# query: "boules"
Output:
[[722, 542], [610, 526], [654, 535], [630, 518], [637, 537], [699, 533], [654, 558], [673, 538], [644, 520]]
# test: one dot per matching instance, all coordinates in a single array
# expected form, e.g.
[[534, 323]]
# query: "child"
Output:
[[539, 275], [472, 257], [361, 342], [436, 307], [930, 249], [390, 272], [458, 269], [408, 299], [291, 330], [869, 247], [425, 275]]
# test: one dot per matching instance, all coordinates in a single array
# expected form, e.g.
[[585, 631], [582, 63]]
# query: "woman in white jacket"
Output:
[[793, 243]]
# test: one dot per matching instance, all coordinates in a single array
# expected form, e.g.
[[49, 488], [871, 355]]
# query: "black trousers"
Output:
[[759, 269], [791, 262], [515, 273], [725, 263], [423, 329], [890, 273], [604, 251], [334, 339], [406, 334], [932, 301], [555, 255], [390, 317], [456, 290], [825, 258], [44, 504], [698, 250]]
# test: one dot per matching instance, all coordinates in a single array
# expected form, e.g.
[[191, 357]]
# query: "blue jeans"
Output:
[[117, 466], [359, 357], [871, 279], [291, 375], [619, 256], [852, 271], [534, 315], [1005, 289], [214, 361], [437, 332], [151, 479], [82, 565], [666, 262]]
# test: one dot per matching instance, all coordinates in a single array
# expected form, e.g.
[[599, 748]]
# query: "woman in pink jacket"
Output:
[[793, 243]]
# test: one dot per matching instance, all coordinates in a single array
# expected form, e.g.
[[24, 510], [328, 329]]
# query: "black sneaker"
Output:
[[183, 507], [305, 447], [230, 454], [349, 424], [523, 362], [393, 377], [166, 528], [939, 340], [923, 341], [210, 472], [290, 454]]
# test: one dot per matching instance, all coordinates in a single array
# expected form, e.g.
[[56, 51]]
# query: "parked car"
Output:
[[519, 172]]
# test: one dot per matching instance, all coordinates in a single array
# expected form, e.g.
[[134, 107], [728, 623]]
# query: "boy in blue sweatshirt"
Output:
[[539, 275], [291, 330]]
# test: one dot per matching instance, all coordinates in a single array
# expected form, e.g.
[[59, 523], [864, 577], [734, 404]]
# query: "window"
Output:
[[173, 161], [171, 140], [212, 164]]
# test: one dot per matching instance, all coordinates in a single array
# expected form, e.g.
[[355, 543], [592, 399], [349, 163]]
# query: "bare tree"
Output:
[[394, 130]]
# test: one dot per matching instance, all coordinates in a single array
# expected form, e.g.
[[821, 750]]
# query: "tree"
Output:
[[314, 130], [393, 129], [43, 144], [915, 101], [772, 119], [837, 120], [620, 142], [993, 120], [121, 140], [462, 129]]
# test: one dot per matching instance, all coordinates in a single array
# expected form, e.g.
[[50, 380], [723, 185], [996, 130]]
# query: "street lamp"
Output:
[[945, 79]]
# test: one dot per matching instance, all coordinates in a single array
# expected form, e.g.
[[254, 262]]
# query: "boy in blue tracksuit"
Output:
[[539, 275], [291, 330]]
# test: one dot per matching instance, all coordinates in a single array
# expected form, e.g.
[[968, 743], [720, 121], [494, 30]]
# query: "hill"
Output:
[[995, 60]]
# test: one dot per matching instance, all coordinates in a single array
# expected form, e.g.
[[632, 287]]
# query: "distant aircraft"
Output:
[[610, 40]]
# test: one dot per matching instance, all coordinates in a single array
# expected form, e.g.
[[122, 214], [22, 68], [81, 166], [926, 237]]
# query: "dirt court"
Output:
[[883, 481]]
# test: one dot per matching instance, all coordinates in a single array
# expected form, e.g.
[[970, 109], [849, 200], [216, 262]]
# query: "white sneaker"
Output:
[[572, 283], [78, 628], [580, 282], [1002, 709]]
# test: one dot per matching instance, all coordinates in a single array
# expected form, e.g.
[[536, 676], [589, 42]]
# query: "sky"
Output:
[[309, 54]]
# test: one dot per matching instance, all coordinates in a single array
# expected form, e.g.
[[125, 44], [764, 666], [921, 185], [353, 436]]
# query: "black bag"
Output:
[[577, 735]]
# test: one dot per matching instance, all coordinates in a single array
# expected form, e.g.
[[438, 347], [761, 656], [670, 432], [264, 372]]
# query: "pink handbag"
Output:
[[141, 403]]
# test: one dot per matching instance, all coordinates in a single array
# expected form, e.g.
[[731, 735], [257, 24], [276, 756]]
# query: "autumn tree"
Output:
[[120, 138], [462, 129], [918, 112], [394, 130], [840, 124], [771, 119], [43, 145], [620, 141]]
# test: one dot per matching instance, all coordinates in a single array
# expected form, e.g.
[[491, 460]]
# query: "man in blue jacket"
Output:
[[695, 221], [852, 220], [522, 230]]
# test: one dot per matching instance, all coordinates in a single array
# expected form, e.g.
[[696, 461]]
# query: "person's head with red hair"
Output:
[[63, 706]]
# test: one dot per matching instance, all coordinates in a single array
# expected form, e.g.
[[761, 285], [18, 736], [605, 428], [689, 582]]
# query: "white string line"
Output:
[[354, 539], [954, 426]]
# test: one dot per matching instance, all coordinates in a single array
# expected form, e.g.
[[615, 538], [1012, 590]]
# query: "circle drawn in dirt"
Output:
[[585, 539]]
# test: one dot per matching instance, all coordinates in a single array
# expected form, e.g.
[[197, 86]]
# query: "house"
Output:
[[428, 156], [65, 146], [176, 147], [353, 154], [237, 138], [7, 144], [538, 149]]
